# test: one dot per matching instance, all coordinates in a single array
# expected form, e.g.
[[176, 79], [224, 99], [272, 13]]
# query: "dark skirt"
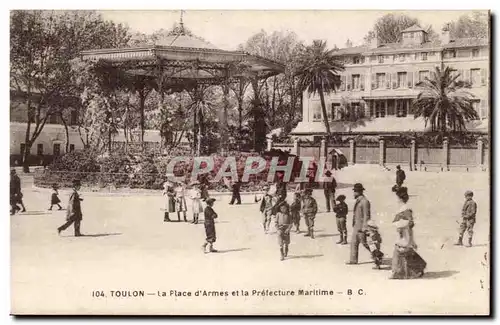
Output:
[[407, 264], [210, 232], [54, 199]]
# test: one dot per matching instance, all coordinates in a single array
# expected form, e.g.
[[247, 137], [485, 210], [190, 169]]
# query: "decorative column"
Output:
[[413, 154], [480, 150], [445, 154], [296, 147], [381, 152], [322, 150], [269, 144], [352, 152]]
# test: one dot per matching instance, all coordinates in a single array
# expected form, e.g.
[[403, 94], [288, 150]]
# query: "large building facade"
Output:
[[380, 80]]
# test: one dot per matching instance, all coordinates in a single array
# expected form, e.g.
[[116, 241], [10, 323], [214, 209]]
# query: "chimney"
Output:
[[445, 35], [348, 43], [374, 43]]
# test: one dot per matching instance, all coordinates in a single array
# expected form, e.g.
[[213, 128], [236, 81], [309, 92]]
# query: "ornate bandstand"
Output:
[[181, 61]]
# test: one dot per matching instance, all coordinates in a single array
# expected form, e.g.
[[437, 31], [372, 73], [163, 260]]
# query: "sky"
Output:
[[227, 29]]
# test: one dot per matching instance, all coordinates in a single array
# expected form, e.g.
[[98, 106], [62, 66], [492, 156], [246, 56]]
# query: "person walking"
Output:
[[196, 202], [209, 222], [469, 211], [54, 198], [15, 191], [74, 212], [361, 215], [329, 190], [283, 226], [180, 201], [266, 207], [295, 211], [400, 176]]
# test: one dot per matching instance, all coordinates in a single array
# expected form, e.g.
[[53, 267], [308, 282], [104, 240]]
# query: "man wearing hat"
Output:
[[309, 210], [266, 207], [210, 217], [341, 210], [400, 176], [361, 215], [74, 211], [329, 189], [15, 191], [469, 211]]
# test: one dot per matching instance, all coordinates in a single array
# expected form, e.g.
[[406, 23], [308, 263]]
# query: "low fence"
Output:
[[444, 157]]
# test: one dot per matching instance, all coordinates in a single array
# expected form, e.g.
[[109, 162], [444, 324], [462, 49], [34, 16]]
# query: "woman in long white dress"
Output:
[[196, 202]]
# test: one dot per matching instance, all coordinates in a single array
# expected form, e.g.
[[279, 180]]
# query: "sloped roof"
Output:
[[467, 42], [186, 41], [413, 28]]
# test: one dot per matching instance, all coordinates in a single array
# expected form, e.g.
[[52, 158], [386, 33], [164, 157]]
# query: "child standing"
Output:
[[54, 199], [266, 207], [196, 199], [283, 227], [374, 241], [210, 217], [180, 200], [469, 211], [169, 194], [309, 210], [340, 210], [295, 211]]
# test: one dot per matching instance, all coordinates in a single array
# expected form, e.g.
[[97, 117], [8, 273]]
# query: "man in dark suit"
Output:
[[400, 176], [329, 189], [74, 212], [235, 188], [16, 196], [361, 215]]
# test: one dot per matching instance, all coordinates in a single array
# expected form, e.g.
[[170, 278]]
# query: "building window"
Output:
[[23, 147], [56, 149], [475, 105], [336, 112], [373, 58], [71, 147], [450, 54], [475, 77], [356, 81], [402, 80], [475, 53], [317, 112], [422, 75], [411, 35], [402, 57], [401, 107], [484, 109], [380, 108], [356, 60], [380, 80], [380, 59], [39, 149], [424, 56]]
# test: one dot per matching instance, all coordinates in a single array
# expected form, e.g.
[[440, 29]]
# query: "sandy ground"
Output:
[[129, 248]]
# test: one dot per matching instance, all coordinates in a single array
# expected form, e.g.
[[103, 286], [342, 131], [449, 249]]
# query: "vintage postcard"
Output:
[[250, 162]]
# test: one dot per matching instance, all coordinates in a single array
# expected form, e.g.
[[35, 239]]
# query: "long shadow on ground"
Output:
[[291, 257], [232, 250], [102, 235], [439, 274]]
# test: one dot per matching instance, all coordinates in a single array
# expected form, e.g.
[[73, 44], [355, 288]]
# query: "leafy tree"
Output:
[[475, 25], [444, 102], [42, 44], [319, 74]]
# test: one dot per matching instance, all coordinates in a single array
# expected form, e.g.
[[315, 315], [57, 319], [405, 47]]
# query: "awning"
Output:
[[337, 151], [390, 97]]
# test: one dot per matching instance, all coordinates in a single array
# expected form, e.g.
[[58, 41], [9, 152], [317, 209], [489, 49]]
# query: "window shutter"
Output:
[[394, 80], [349, 82], [342, 85], [362, 82], [482, 109], [410, 79], [484, 74], [374, 80], [416, 78]]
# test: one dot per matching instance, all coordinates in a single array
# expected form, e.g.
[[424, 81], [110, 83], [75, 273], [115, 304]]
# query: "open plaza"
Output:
[[128, 248]]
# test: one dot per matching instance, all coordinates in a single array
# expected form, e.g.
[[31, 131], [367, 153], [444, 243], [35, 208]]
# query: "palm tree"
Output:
[[318, 73], [444, 102]]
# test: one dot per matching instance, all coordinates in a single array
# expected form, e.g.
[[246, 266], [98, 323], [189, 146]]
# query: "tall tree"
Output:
[[319, 74], [444, 102], [388, 28], [475, 25], [42, 44]]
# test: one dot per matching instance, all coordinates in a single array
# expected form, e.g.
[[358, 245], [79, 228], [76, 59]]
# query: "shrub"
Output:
[[77, 161]]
